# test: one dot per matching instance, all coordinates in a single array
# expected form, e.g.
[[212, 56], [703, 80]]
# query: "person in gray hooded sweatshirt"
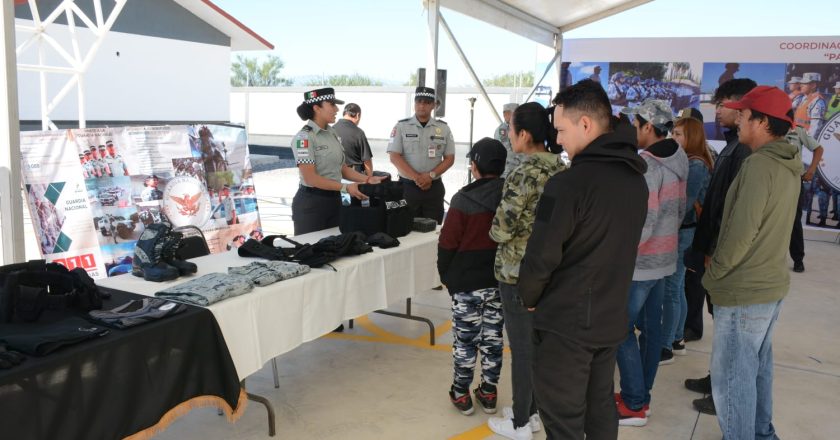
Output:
[[666, 177]]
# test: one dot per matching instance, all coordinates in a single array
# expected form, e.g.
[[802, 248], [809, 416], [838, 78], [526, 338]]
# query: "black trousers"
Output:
[[429, 203], [797, 238], [573, 385], [695, 293], [315, 209]]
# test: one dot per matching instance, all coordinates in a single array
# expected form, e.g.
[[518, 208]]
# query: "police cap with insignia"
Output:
[[109, 144], [101, 147], [321, 95], [427, 93]]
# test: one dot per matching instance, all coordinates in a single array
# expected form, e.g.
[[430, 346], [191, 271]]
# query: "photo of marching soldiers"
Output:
[[190, 166], [47, 219], [813, 88], [632, 83]]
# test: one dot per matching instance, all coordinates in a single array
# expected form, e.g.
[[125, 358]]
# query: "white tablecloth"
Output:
[[272, 320]]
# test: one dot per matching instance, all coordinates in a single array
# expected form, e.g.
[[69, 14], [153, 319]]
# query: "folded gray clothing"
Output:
[[263, 273], [136, 312], [208, 289]]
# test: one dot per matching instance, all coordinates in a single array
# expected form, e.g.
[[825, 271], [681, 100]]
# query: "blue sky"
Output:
[[386, 39]]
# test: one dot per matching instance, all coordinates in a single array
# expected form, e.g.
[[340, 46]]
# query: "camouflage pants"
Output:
[[477, 322]]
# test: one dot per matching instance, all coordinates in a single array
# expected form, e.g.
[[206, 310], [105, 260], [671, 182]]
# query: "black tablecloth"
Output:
[[119, 384]]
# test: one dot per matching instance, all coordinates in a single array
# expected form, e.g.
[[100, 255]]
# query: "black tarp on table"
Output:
[[114, 386]]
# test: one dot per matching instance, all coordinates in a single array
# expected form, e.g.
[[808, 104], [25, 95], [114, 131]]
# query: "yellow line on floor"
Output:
[[477, 433]]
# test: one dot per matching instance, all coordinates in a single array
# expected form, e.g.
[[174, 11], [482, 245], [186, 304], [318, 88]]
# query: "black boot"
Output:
[[148, 255], [170, 249]]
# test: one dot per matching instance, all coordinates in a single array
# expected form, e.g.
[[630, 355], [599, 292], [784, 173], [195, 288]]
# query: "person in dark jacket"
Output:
[[708, 225], [579, 263], [466, 255]]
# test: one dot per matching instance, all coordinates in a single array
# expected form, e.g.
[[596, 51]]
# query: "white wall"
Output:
[[271, 111], [152, 79]]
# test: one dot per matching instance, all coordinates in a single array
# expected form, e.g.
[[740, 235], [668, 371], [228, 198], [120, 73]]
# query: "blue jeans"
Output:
[[742, 363], [638, 360], [674, 306]]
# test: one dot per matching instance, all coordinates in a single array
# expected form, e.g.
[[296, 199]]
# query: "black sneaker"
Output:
[[667, 357], [705, 405], [702, 386], [679, 348], [798, 267], [486, 396], [463, 403]]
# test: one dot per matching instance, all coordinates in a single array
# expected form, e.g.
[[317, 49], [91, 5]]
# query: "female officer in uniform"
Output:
[[320, 159]]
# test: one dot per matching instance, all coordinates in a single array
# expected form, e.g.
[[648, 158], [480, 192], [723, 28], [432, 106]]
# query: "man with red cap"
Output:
[[748, 278]]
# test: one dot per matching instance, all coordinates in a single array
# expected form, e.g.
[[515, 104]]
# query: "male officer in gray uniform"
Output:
[[422, 148], [115, 162], [502, 135]]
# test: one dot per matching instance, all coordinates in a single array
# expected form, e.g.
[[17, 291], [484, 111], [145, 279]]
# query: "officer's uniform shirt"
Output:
[[798, 100], [320, 147], [228, 205], [423, 148], [89, 169], [513, 159], [116, 164], [816, 110]]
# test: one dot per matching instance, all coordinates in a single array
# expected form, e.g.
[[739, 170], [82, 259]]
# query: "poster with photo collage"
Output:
[[91, 192]]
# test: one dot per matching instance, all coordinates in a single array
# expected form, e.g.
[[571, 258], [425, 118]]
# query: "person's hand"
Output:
[[353, 190], [808, 176], [707, 261], [424, 181], [375, 179]]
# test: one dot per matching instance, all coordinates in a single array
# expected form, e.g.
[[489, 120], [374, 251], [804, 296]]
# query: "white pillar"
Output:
[[433, 8], [11, 204]]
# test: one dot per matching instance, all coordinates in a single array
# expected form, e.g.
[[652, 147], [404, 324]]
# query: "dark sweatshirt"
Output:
[[465, 251], [580, 258]]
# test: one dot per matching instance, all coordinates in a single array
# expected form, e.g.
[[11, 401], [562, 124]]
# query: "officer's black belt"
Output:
[[318, 191]]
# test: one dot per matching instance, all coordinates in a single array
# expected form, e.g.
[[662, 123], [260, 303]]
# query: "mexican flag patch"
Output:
[[303, 143]]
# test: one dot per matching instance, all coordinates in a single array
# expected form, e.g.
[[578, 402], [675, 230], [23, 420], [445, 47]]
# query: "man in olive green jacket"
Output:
[[748, 276]]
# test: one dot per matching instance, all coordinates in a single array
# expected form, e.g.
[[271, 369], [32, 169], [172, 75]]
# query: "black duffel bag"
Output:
[[387, 211]]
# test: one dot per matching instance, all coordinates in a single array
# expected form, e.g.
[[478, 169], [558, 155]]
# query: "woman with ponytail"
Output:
[[319, 157], [530, 134]]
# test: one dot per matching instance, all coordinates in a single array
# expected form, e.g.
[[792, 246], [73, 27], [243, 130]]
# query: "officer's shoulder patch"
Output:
[[441, 121], [404, 120], [306, 128]]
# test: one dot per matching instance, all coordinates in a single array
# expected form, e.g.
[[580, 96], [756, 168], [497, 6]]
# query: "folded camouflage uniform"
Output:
[[263, 273], [207, 289]]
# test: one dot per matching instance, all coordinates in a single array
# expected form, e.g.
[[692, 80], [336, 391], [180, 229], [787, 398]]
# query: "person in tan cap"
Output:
[[795, 94], [502, 135], [809, 113], [834, 104]]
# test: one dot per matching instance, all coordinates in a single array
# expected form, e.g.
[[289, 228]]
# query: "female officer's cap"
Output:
[[320, 95]]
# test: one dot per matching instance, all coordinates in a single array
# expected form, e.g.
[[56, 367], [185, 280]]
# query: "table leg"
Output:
[[408, 315], [274, 372], [268, 407]]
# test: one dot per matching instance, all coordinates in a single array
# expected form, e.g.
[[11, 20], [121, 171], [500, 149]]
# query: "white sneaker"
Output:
[[534, 420], [504, 427]]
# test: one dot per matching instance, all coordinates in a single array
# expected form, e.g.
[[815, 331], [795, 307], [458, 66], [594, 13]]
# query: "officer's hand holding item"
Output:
[[422, 148], [320, 159]]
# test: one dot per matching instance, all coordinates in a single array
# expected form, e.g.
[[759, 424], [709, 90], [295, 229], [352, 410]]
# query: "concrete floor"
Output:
[[381, 380]]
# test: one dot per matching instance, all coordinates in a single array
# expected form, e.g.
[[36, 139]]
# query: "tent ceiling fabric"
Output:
[[540, 20]]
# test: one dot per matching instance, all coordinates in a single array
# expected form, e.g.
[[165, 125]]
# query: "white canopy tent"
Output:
[[543, 21]]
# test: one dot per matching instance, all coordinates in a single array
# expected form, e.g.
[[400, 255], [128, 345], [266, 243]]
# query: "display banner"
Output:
[[685, 72], [91, 192]]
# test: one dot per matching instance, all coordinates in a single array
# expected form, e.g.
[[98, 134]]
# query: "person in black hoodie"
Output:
[[466, 255], [579, 263], [703, 246]]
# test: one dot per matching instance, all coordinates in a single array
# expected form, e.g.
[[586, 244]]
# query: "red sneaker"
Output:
[[628, 417], [617, 397]]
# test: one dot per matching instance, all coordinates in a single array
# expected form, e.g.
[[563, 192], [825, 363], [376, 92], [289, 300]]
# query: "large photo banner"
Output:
[[91, 192], [686, 71]]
